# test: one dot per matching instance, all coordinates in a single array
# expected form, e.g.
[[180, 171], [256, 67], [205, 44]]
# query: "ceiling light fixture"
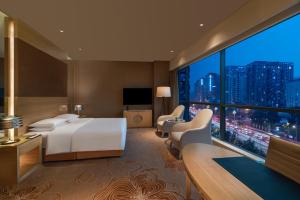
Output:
[[172, 51], [201, 25], [61, 31]]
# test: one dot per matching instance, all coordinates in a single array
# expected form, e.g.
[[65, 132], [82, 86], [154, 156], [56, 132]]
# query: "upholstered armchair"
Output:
[[196, 131], [177, 113]]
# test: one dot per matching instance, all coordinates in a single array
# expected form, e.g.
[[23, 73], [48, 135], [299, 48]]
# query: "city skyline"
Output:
[[260, 47], [259, 83]]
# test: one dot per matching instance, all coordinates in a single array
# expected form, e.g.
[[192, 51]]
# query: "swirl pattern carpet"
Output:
[[146, 171]]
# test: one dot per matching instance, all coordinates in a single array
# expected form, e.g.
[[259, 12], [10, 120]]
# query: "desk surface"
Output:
[[23, 139], [213, 181]]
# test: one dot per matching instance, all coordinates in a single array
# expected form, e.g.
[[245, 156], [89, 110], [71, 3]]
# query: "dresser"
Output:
[[138, 118]]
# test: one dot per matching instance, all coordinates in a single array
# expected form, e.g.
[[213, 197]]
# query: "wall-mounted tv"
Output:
[[137, 96]]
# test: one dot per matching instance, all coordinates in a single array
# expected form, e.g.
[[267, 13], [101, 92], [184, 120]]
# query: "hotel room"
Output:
[[148, 100]]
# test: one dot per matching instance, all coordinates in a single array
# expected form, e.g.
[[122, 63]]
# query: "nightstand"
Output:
[[19, 160]]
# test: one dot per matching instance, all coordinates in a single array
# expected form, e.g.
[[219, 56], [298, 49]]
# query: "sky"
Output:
[[278, 43]]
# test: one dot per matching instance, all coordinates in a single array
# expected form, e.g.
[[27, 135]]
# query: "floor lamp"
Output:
[[163, 92]]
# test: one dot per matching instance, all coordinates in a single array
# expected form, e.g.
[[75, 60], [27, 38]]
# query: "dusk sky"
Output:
[[279, 43]]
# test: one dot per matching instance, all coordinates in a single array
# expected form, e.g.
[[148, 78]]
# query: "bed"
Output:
[[85, 138]]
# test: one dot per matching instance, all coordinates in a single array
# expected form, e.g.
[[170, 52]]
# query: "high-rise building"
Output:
[[266, 82], [293, 93], [199, 90], [207, 88], [212, 87], [235, 84]]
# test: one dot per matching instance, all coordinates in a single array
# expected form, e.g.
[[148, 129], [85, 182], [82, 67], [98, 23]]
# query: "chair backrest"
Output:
[[202, 118], [284, 157], [178, 112]]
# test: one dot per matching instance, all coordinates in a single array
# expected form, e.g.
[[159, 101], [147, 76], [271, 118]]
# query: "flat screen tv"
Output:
[[137, 96]]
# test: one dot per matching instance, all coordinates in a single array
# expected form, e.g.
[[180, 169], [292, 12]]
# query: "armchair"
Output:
[[177, 113], [196, 131]]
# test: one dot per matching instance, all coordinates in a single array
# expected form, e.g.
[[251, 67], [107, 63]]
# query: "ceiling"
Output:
[[126, 30]]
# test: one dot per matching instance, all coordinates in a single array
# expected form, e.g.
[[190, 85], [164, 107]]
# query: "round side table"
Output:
[[168, 125]]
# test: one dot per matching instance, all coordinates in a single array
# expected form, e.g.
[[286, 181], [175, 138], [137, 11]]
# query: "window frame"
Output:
[[222, 105]]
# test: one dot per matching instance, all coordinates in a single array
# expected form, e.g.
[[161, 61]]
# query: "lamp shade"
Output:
[[163, 91], [78, 107]]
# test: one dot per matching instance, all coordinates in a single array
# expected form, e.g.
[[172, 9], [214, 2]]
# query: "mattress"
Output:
[[86, 134]]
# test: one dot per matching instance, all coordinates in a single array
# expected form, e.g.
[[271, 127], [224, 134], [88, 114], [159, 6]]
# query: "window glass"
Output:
[[251, 129], [261, 73], [264, 70], [205, 80]]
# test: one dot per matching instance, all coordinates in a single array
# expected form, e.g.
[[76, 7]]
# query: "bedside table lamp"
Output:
[[78, 108], [9, 123], [163, 92]]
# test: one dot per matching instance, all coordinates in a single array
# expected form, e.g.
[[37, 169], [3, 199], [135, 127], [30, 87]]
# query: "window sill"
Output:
[[226, 145]]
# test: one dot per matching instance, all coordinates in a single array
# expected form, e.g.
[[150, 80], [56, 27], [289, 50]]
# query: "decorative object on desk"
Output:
[[78, 108], [10, 123], [163, 92]]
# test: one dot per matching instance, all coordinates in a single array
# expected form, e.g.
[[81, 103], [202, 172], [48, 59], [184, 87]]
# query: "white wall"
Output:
[[247, 20]]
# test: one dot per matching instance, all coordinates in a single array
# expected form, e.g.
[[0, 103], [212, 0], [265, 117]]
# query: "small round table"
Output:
[[168, 125]]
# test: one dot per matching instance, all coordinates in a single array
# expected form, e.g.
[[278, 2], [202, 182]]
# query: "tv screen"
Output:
[[137, 96]]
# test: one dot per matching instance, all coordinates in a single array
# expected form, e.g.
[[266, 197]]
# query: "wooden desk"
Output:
[[211, 180], [19, 160]]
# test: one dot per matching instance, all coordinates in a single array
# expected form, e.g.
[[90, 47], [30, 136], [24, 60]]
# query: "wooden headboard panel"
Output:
[[33, 109]]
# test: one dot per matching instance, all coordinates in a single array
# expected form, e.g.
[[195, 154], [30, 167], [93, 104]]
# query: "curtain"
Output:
[[174, 89]]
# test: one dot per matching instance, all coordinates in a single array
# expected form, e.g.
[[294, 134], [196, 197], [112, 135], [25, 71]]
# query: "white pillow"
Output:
[[68, 117], [48, 123], [41, 129]]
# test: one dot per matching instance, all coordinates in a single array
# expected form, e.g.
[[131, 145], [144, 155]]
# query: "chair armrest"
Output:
[[181, 127], [166, 117], [199, 135]]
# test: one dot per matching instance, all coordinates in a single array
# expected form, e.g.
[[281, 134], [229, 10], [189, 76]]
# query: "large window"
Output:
[[264, 69], [257, 93]]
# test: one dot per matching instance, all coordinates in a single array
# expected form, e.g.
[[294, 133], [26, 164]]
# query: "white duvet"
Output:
[[87, 134]]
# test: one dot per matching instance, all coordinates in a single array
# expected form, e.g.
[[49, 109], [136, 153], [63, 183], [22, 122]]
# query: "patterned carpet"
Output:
[[146, 171]]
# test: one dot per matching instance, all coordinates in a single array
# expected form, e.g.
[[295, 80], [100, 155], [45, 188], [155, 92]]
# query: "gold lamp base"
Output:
[[8, 141]]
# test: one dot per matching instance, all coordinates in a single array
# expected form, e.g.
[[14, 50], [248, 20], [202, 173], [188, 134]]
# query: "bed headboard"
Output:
[[33, 109]]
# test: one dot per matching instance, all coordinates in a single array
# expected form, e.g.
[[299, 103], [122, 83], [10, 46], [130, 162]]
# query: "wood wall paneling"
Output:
[[33, 109], [38, 74], [161, 78], [98, 85], [1, 84], [40, 84]]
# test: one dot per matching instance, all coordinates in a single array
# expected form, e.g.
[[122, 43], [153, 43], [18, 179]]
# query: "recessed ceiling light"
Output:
[[69, 58], [172, 51], [80, 49], [61, 31], [201, 25]]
